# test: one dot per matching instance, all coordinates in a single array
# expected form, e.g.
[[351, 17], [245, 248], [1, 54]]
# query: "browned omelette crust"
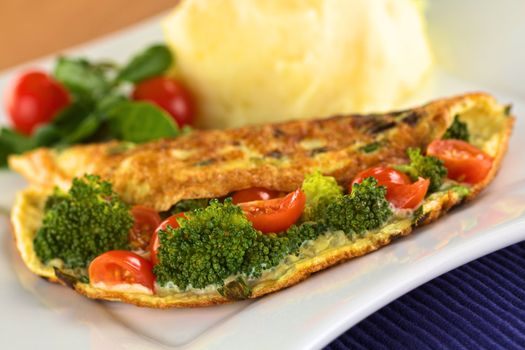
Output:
[[209, 164], [32, 201]]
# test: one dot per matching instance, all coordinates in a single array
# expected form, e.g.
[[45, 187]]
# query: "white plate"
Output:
[[36, 313]]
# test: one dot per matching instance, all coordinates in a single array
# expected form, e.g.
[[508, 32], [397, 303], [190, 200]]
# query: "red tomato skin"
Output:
[[275, 215], [121, 266], [34, 99], [145, 221], [253, 194], [384, 176], [464, 162], [399, 190], [155, 241], [170, 95], [408, 196]]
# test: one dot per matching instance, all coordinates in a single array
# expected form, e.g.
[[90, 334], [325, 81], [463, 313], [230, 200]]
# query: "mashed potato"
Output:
[[260, 61]]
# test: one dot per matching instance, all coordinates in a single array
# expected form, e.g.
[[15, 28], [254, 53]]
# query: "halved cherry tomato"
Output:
[[146, 220], [464, 162], [170, 95], [155, 241], [399, 190], [408, 196], [34, 100], [275, 215], [121, 267], [384, 176], [253, 194]]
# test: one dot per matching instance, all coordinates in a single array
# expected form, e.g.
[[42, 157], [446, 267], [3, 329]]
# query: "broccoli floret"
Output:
[[365, 208], [207, 248], [458, 131], [218, 241], [268, 250], [83, 223], [427, 167], [319, 191]]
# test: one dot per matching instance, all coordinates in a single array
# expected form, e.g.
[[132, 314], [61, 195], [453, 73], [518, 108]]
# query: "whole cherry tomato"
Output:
[[170, 95], [34, 99]]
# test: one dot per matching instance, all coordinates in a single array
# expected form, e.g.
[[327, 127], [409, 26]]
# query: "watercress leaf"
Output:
[[5, 151], [84, 130], [140, 122], [68, 118], [71, 114], [75, 123], [103, 133], [109, 101], [108, 66], [13, 142], [18, 142], [47, 135], [153, 61], [83, 79]]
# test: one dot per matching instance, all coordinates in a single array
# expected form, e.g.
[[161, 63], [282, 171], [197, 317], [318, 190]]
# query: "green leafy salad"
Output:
[[83, 101]]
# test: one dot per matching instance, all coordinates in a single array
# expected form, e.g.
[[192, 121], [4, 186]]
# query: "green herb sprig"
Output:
[[101, 108]]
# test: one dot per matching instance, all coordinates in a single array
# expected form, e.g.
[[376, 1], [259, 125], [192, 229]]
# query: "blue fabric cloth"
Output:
[[480, 305]]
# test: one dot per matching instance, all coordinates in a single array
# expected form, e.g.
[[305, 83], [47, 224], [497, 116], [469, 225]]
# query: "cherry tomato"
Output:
[[253, 194], [121, 267], [34, 99], [170, 95], [463, 161], [146, 220], [275, 215], [155, 241], [384, 176], [408, 196], [399, 189]]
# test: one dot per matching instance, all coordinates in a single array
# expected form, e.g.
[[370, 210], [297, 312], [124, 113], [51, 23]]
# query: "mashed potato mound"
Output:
[[261, 61]]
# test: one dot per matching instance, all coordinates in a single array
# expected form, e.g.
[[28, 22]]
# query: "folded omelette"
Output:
[[214, 164]]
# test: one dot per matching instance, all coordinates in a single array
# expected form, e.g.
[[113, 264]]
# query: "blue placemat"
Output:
[[480, 305]]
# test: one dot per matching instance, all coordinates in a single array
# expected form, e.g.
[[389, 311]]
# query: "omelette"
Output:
[[208, 164]]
